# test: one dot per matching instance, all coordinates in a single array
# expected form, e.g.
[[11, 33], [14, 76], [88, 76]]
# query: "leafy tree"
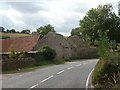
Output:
[[25, 31], [11, 31], [43, 30], [76, 31], [100, 19], [2, 29], [34, 32], [4, 37]]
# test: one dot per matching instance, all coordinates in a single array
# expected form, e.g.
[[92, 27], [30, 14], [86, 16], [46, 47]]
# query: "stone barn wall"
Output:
[[58, 43], [80, 49]]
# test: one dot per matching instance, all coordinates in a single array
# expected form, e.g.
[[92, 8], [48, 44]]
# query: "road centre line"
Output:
[[61, 72], [78, 65], [40, 82], [70, 68], [29, 72], [34, 86], [46, 79]]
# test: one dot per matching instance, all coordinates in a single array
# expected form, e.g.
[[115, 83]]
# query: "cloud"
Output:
[[27, 7], [34, 21], [62, 14], [6, 22]]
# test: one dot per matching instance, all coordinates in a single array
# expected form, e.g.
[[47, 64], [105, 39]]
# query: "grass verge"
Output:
[[27, 69]]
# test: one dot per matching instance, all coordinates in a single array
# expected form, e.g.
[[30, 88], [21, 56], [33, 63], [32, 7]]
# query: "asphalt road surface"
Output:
[[68, 75]]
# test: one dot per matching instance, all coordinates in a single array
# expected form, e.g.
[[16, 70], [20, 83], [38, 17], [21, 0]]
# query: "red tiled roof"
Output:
[[19, 44]]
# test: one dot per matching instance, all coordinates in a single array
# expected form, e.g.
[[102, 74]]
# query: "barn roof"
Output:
[[19, 44]]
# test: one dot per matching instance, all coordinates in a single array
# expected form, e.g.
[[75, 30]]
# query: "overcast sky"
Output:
[[62, 14]]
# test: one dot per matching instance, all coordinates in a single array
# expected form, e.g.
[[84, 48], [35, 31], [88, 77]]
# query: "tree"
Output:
[[100, 19], [11, 31], [25, 31], [2, 29], [34, 32], [43, 30], [76, 31]]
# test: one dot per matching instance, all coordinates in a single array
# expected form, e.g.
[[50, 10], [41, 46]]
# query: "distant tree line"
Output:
[[2, 29], [42, 30]]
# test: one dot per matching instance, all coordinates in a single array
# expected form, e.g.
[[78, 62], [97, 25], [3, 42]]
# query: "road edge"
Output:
[[88, 83]]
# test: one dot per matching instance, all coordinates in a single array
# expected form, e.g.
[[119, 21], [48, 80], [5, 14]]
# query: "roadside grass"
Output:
[[27, 69], [14, 35], [106, 72]]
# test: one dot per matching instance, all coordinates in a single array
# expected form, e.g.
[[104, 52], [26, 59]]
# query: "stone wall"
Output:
[[58, 43], [80, 49]]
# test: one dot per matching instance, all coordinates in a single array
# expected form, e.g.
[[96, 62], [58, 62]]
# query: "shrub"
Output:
[[107, 72], [4, 37], [47, 53], [13, 55]]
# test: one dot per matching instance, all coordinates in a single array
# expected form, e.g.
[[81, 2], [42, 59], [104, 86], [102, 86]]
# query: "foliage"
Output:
[[75, 31], [25, 31], [2, 29], [11, 31], [44, 30], [103, 45], [4, 37], [34, 32], [47, 53], [100, 19], [107, 72], [16, 55]]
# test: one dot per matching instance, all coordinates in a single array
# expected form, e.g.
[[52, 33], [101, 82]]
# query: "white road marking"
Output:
[[40, 82], [61, 72], [88, 78], [70, 68], [33, 86], [30, 72], [47, 79], [78, 65]]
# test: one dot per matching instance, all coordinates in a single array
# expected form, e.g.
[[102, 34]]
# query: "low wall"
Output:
[[16, 64]]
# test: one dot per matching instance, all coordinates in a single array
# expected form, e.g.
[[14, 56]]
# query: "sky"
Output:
[[63, 15]]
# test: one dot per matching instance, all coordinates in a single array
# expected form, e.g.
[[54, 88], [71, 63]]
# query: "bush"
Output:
[[16, 55], [107, 72], [47, 53], [4, 37]]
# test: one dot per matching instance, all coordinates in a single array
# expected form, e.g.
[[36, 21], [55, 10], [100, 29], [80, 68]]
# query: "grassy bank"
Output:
[[107, 72]]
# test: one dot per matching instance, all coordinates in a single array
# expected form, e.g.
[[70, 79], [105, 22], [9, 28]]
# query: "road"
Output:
[[68, 75]]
